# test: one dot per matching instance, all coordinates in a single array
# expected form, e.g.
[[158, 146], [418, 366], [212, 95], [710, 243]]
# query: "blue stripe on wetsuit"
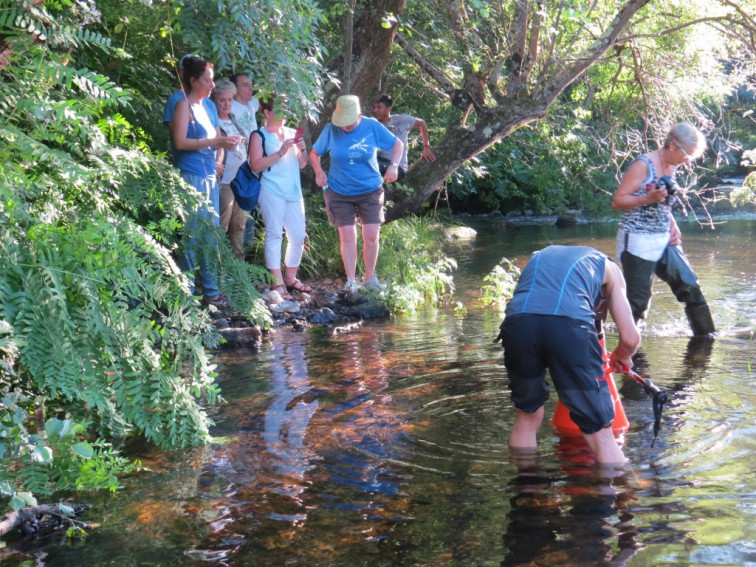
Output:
[[564, 282], [532, 287]]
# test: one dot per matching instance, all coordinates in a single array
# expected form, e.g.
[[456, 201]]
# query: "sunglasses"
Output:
[[685, 152]]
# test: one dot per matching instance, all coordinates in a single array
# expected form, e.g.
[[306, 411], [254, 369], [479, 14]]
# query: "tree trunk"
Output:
[[511, 101], [458, 146]]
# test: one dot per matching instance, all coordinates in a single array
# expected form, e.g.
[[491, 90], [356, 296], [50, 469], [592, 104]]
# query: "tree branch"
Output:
[[553, 87], [678, 27], [517, 41], [12, 520], [535, 37], [434, 72]]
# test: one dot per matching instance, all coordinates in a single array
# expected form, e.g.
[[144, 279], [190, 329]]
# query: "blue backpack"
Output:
[[246, 184]]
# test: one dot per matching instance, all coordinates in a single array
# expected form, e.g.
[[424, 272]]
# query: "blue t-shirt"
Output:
[[354, 165], [197, 162], [560, 280]]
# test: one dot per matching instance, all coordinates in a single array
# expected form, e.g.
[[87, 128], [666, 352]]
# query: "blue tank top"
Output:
[[560, 280]]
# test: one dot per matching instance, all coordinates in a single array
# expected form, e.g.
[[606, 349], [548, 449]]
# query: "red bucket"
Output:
[[564, 424]]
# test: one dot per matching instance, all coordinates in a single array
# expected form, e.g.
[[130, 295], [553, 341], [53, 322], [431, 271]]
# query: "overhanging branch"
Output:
[[567, 75], [434, 72]]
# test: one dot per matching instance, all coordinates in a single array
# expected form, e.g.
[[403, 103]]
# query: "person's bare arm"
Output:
[[622, 315], [181, 117], [392, 172], [675, 236], [180, 127], [320, 176], [258, 162], [427, 154], [624, 200]]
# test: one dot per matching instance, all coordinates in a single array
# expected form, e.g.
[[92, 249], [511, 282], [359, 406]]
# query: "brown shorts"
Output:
[[343, 209]]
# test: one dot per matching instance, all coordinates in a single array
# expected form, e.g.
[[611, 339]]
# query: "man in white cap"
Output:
[[353, 186]]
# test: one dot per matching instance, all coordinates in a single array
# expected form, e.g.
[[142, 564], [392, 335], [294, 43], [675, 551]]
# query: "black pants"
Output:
[[673, 268]]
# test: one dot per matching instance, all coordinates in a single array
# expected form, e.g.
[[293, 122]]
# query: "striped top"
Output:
[[646, 219]]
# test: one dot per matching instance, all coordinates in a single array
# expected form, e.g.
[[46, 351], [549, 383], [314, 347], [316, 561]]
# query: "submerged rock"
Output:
[[369, 309], [563, 221]]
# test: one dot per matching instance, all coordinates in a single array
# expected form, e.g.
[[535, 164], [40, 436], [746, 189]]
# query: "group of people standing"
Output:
[[214, 130]]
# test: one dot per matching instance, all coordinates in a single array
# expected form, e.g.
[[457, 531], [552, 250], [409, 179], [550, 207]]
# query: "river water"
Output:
[[386, 445]]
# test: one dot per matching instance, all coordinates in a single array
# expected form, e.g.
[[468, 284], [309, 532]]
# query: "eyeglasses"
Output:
[[685, 153]]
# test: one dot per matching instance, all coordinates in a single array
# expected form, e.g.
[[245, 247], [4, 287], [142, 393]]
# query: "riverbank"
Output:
[[328, 305]]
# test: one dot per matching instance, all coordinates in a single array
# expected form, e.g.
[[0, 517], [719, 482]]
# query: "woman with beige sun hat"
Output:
[[353, 186]]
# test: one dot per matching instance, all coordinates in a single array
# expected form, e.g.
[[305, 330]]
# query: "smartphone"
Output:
[[299, 134]]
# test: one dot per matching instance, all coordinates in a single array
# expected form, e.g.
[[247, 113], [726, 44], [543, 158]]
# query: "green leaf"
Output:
[[21, 499], [83, 449], [42, 454]]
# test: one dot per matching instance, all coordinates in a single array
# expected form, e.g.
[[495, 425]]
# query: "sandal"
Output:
[[281, 289], [297, 285]]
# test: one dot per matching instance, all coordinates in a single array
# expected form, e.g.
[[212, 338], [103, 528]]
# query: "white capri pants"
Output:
[[279, 215]]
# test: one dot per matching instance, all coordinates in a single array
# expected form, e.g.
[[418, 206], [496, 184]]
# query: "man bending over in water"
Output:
[[550, 324]]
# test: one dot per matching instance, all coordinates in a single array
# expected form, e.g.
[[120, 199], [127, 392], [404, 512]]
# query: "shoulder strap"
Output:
[[235, 123], [225, 152], [262, 141]]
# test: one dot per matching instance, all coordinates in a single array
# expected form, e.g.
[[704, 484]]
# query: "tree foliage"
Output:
[[483, 70], [276, 42], [99, 331]]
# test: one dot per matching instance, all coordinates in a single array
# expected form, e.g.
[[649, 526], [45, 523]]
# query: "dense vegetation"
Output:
[[99, 337]]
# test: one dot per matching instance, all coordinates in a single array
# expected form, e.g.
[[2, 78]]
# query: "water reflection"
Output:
[[550, 512]]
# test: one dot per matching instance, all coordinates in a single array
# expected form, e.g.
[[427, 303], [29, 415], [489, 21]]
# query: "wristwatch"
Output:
[[394, 164]]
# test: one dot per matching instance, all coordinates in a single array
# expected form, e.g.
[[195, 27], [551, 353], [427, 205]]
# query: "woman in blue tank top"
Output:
[[196, 136]]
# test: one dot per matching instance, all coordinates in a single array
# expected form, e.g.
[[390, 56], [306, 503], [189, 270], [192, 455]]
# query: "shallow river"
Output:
[[386, 445]]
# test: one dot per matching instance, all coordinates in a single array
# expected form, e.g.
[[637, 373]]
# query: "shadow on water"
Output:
[[387, 445]]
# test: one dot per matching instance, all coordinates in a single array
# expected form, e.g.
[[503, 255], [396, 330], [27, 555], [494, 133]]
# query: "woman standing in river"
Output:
[[648, 240]]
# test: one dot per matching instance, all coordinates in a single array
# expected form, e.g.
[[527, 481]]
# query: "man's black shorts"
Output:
[[571, 352]]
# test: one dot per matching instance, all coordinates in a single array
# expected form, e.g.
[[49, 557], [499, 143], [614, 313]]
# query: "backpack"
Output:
[[246, 184]]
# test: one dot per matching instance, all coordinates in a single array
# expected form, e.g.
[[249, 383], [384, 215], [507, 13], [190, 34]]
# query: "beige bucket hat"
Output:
[[347, 111]]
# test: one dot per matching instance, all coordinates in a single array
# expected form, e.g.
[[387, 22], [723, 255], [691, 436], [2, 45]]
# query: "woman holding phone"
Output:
[[281, 201]]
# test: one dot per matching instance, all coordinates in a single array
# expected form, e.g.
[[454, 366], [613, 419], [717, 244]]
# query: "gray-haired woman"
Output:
[[648, 240], [232, 217]]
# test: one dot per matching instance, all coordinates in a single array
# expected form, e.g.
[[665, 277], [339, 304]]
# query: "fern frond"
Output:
[[67, 37]]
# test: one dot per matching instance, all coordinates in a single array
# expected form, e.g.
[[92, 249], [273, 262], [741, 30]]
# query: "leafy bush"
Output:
[[99, 335], [548, 167], [412, 260], [500, 283]]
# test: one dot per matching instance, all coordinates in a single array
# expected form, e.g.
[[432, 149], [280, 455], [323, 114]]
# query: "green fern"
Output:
[[96, 322]]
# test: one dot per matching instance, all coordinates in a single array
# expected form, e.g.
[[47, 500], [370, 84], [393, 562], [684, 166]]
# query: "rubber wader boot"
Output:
[[699, 318]]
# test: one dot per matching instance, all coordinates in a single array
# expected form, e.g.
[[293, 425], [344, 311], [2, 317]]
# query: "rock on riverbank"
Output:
[[327, 305]]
